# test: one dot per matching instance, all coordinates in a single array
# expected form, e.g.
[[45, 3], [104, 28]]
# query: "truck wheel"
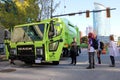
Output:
[[65, 52], [55, 62], [28, 62]]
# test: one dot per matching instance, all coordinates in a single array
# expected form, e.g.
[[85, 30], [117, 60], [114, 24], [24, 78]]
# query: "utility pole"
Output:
[[51, 9]]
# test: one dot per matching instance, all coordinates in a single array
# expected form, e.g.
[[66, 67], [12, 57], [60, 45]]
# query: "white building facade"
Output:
[[101, 23]]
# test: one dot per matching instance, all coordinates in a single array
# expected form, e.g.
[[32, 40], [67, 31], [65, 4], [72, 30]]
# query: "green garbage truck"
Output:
[[44, 41]]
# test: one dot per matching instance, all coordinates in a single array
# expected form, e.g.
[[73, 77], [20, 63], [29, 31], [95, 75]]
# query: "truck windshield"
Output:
[[28, 33]]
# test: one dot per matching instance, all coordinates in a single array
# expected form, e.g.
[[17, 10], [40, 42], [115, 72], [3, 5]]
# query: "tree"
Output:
[[14, 12], [84, 39], [47, 8]]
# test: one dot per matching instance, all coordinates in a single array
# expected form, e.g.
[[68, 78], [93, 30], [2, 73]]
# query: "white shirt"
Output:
[[113, 50], [91, 49]]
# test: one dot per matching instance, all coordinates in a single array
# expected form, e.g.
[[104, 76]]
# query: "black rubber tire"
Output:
[[55, 62]]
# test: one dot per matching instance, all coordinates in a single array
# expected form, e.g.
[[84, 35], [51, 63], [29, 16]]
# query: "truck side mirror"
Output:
[[51, 30], [6, 34]]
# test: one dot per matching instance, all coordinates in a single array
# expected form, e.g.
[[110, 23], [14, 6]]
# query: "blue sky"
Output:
[[82, 5]]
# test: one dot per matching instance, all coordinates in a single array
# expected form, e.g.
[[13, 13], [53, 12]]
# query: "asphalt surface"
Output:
[[63, 71]]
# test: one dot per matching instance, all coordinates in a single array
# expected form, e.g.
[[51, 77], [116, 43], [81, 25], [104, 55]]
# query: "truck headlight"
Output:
[[13, 51], [39, 51]]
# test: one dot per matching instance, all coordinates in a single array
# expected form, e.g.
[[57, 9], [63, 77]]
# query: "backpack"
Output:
[[95, 43]]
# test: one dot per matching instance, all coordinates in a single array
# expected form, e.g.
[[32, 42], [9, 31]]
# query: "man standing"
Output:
[[73, 51]]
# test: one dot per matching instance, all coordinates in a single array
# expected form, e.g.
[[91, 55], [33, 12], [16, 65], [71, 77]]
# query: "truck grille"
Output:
[[25, 51]]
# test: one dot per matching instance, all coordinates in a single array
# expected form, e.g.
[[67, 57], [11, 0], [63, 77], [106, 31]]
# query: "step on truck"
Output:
[[44, 41]]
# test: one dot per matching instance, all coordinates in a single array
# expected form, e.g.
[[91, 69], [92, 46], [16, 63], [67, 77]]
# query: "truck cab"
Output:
[[39, 42]]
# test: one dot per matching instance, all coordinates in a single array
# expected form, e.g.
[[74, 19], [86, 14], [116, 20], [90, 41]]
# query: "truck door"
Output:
[[55, 42]]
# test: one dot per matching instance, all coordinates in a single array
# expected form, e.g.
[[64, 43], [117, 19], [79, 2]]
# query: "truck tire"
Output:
[[65, 52], [55, 62], [28, 62]]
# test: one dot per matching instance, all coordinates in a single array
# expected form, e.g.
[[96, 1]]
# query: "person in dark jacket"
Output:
[[73, 51], [100, 48]]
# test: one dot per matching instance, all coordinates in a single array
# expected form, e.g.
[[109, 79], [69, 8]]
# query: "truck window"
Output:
[[36, 32], [19, 34], [53, 46], [51, 32], [57, 30], [28, 33], [32, 33]]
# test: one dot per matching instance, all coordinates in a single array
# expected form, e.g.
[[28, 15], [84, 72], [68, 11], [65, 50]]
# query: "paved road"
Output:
[[63, 71]]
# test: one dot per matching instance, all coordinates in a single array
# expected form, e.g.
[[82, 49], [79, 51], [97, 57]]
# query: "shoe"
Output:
[[99, 63], [12, 63], [71, 63], [112, 66], [88, 67], [93, 67], [74, 64]]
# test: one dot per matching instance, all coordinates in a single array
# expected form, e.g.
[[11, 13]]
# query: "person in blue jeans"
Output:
[[91, 51]]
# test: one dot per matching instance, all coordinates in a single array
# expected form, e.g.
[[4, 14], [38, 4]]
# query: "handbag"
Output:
[[104, 51]]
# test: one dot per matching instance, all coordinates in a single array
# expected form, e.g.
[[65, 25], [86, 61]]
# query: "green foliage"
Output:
[[16, 12], [83, 45], [84, 42], [84, 39]]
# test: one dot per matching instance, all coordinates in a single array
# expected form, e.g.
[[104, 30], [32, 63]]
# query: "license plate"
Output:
[[37, 61]]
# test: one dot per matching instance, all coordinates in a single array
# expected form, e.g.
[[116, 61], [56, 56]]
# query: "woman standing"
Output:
[[91, 51], [99, 51], [113, 51]]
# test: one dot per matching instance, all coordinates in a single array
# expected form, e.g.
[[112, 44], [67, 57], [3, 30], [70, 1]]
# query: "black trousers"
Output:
[[74, 59], [112, 60], [91, 59], [98, 56]]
